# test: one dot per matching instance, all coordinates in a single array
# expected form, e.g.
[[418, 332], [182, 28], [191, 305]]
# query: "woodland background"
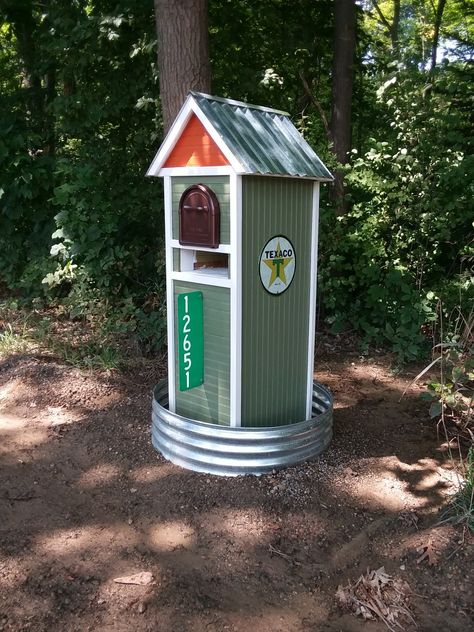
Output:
[[81, 228]]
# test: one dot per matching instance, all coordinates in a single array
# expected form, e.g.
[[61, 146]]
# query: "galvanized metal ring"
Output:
[[226, 451]]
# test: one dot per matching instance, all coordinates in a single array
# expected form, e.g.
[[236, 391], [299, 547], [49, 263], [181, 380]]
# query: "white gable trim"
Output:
[[171, 138], [189, 108], [196, 171]]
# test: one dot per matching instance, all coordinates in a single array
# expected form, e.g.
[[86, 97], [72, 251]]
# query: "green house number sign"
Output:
[[190, 340]]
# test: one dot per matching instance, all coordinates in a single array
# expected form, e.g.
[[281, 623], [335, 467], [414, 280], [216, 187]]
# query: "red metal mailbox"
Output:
[[199, 217]]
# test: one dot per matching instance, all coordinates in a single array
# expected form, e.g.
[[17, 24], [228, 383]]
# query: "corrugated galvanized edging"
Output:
[[205, 447]]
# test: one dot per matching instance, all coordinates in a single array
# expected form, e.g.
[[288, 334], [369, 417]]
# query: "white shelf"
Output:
[[224, 248], [220, 272]]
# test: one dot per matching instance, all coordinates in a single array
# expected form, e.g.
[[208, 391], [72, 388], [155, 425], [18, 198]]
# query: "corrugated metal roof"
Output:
[[264, 141]]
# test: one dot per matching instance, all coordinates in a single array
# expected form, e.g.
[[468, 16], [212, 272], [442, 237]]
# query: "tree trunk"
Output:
[[183, 53], [437, 26], [50, 132], [342, 80], [24, 26], [395, 28]]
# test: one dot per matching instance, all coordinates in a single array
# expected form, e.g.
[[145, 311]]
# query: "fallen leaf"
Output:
[[409, 518], [140, 579], [377, 595], [428, 552], [342, 596]]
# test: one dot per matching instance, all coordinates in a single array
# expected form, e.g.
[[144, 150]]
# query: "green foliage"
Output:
[[80, 223], [274, 47], [26, 221], [80, 122], [108, 216], [408, 234]]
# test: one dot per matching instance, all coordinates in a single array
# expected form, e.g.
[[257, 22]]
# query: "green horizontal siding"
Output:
[[221, 187], [211, 401], [275, 328]]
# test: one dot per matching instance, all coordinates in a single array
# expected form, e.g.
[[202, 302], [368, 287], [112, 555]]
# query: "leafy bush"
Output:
[[75, 141], [404, 242], [26, 223]]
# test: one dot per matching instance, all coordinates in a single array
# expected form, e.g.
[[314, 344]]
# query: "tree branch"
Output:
[[316, 104], [384, 20]]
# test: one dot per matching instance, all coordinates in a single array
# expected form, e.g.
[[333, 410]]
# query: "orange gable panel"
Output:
[[195, 148]]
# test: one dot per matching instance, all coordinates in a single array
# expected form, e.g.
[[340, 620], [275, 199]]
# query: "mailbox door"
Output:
[[199, 217]]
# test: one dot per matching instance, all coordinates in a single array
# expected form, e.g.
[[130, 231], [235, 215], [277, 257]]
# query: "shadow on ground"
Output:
[[84, 499]]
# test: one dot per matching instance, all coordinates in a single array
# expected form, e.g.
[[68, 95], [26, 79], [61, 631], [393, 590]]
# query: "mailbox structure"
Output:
[[241, 190]]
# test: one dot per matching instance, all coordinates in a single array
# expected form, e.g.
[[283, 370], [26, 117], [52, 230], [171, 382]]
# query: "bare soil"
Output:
[[84, 499]]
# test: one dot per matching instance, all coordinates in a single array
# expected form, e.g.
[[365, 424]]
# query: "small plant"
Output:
[[90, 355], [12, 342], [83, 343], [461, 508], [104, 358], [451, 400], [452, 396]]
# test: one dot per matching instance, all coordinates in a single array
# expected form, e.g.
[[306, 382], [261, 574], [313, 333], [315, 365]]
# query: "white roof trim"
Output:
[[189, 107], [170, 139], [197, 171]]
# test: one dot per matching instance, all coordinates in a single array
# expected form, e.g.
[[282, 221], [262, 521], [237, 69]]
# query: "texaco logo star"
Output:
[[277, 264]]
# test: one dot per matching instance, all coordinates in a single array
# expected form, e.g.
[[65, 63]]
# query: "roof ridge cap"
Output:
[[243, 104]]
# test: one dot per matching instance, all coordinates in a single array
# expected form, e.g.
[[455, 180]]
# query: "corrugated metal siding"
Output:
[[211, 401], [275, 328], [227, 451], [264, 141], [221, 187]]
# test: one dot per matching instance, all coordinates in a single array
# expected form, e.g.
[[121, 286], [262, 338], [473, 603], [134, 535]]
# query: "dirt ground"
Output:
[[84, 499]]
